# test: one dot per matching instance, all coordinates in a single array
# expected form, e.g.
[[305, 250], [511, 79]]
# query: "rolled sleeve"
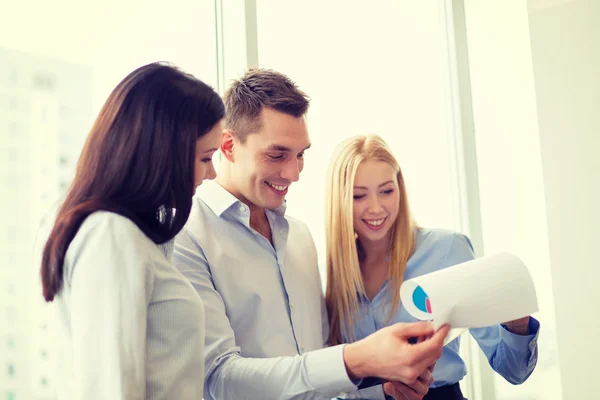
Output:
[[522, 343]]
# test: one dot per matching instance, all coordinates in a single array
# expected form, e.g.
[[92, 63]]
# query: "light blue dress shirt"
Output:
[[264, 305], [128, 324], [512, 356]]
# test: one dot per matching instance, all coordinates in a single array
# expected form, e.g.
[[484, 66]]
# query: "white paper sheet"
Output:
[[478, 293]]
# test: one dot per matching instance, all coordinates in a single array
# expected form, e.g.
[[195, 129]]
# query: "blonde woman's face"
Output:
[[376, 200]]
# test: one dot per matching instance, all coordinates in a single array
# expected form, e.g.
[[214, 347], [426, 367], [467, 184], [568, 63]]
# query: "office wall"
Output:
[[565, 43], [511, 181]]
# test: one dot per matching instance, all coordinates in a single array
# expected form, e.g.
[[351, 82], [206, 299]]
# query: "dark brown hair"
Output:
[[259, 88], [137, 161]]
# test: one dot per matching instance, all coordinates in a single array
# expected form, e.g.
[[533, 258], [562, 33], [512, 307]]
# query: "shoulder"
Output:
[[104, 231], [443, 238], [449, 246], [299, 233], [297, 224], [110, 248], [105, 223], [204, 219]]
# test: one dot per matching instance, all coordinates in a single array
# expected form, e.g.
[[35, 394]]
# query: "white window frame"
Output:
[[479, 382]]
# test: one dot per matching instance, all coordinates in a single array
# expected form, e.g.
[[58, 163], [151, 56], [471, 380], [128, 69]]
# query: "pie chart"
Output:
[[421, 300]]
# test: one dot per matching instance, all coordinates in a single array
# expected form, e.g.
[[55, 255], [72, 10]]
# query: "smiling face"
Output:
[[269, 161], [376, 200]]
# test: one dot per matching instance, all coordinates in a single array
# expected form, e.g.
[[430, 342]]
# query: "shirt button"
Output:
[[243, 209], [291, 305]]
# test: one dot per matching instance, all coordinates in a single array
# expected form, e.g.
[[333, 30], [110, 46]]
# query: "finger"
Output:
[[414, 391], [438, 336], [431, 367], [424, 354], [428, 352], [416, 329], [426, 377], [390, 390], [441, 334], [423, 338]]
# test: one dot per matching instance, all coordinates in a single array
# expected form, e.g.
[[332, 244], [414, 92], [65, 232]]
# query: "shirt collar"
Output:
[[219, 200]]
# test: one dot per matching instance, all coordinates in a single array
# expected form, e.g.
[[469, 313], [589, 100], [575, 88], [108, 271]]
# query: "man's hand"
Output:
[[387, 354]]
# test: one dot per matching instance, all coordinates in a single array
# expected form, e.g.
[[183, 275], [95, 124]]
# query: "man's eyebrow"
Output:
[[278, 147]]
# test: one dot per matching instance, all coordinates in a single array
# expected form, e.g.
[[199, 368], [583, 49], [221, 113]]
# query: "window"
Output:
[[51, 89], [10, 370], [376, 79]]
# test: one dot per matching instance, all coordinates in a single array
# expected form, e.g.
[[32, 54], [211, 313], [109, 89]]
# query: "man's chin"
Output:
[[274, 203]]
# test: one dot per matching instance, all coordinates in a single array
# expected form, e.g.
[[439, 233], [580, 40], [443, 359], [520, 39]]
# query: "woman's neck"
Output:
[[374, 266], [375, 252]]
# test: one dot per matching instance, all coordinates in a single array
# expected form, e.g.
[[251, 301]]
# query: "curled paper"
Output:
[[478, 293]]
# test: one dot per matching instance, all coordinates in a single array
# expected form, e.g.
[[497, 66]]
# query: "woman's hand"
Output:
[[518, 326], [414, 391]]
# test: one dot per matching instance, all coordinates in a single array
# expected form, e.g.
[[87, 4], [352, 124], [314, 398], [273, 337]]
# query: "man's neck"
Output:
[[223, 180], [260, 223], [258, 217]]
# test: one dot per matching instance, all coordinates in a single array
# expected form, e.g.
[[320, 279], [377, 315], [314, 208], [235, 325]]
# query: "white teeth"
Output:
[[277, 187], [375, 222]]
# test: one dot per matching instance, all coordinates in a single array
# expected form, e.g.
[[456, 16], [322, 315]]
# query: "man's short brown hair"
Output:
[[259, 88]]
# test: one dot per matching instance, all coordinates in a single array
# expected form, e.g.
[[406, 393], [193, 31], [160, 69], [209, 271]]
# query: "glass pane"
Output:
[[54, 78], [366, 73]]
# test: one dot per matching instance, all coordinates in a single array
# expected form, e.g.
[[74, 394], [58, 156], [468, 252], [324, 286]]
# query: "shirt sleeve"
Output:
[[110, 286], [370, 393], [319, 374], [512, 356]]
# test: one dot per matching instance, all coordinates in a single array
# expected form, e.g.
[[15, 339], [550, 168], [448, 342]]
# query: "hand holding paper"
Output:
[[478, 293]]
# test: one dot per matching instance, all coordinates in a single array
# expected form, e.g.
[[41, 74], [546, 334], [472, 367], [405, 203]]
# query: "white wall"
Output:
[[510, 169], [565, 41]]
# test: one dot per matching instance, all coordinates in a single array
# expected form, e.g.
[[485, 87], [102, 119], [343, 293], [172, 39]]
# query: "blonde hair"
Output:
[[344, 279]]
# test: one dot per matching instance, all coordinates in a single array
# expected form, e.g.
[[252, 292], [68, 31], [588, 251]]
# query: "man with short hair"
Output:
[[256, 270]]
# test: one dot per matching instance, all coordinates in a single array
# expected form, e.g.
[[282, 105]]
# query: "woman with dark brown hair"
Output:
[[130, 326]]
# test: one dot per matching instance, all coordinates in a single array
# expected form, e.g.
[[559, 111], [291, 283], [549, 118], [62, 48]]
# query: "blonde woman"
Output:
[[373, 244]]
